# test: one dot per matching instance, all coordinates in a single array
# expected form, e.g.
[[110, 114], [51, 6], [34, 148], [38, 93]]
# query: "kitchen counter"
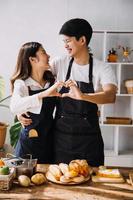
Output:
[[85, 191]]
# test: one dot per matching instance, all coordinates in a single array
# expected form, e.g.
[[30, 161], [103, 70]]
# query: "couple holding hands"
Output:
[[82, 82]]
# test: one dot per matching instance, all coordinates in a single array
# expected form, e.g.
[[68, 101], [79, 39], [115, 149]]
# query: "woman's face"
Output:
[[42, 58]]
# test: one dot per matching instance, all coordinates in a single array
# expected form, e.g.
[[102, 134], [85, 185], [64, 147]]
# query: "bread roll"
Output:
[[82, 167], [50, 176], [73, 165], [71, 174], [78, 179], [38, 179], [64, 168], [63, 179], [55, 170]]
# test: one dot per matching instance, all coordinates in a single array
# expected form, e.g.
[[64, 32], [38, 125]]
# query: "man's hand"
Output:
[[107, 95], [74, 91]]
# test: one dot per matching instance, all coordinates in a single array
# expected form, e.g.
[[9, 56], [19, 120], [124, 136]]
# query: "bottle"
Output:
[[112, 56]]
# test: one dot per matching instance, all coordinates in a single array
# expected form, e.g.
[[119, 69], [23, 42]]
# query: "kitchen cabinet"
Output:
[[118, 138]]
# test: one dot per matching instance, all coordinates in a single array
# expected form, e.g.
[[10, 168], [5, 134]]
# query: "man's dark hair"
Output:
[[77, 27]]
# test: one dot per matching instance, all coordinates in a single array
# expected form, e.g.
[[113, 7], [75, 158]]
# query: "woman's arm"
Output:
[[21, 102]]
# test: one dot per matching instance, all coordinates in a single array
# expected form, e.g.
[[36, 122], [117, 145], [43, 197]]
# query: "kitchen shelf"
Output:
[[125, 95], [119, 125], [118, 138]]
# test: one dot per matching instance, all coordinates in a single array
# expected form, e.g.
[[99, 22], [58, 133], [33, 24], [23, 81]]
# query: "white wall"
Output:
[[41, 20]]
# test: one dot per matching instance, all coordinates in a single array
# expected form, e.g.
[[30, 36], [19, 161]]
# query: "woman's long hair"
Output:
[[23, 66]]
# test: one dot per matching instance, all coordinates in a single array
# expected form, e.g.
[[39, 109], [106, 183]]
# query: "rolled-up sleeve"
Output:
[[21, 102], [108, 75]]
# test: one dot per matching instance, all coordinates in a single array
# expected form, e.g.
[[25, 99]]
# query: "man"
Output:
[[88, 82]]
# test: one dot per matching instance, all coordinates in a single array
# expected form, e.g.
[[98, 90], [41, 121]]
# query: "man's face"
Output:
[[72, 45]]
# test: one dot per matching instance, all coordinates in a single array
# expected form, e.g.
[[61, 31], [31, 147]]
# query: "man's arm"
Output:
[[107, 95]]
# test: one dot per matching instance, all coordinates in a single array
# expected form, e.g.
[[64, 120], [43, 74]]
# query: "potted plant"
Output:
[[14, 132], [2, 88], [3, 129], [15, 127], [3, 126]]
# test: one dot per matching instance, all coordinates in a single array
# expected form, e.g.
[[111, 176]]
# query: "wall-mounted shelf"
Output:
[[118, 138]]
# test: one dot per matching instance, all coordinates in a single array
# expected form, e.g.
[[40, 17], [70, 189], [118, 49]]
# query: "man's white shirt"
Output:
[[102, 73]]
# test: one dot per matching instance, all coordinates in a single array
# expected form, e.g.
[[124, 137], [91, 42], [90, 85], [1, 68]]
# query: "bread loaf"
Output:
[[73, 165], [81, 166]]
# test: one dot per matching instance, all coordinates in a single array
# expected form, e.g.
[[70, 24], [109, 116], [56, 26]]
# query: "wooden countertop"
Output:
[[85, 191]]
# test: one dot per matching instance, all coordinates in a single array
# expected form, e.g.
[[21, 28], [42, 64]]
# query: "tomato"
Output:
[[1, 163]]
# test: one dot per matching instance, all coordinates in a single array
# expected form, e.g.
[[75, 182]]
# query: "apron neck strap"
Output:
[[90, 68], [69, 69]]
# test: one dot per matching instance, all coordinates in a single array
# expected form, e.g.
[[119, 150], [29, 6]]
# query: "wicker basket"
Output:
[[129, 86], [7, 180]]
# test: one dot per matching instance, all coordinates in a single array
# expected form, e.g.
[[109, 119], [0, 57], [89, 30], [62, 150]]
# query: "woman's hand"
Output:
[[52, 91], [74, 91], [24, 120]]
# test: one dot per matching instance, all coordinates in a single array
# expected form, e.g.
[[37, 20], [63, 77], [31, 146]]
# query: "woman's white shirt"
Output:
[[21, 102]]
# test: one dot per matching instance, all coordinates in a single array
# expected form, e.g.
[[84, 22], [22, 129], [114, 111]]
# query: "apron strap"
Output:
[[69, 69], [90, 69]]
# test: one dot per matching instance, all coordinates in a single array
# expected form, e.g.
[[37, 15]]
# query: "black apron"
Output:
[[77, 133], [40, 147]]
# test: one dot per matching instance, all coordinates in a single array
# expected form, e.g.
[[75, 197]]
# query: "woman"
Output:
[[34, 91]]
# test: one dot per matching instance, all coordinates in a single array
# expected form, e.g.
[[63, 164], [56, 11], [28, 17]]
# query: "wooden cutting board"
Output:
[[105, 179]]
